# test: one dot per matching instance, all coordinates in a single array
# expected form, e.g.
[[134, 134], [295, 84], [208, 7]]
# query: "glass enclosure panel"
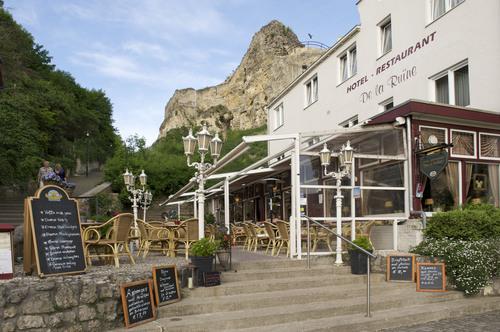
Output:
[[287, 205], [313, 201], [310, 170], [237, 211], [331, 204], [442, 193], [249, 210], [380, 202], [482, 184], [385, 175]]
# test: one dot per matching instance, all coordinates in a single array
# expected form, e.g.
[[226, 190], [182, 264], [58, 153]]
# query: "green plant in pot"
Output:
[[358, 258], [203, 253]]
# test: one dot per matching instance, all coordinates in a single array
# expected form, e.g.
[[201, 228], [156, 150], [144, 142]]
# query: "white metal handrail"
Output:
[[368, 254]]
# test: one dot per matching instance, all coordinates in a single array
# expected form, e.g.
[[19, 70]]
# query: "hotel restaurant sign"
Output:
[[395, 79]]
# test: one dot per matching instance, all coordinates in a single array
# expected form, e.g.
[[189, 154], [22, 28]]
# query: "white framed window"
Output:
[[348, 64], [452, 85], [279, 116], [312, 90], [386, 105], [385, 31], [430, 136], [441, 7], [464, 143], [489, 146], [351, 122]]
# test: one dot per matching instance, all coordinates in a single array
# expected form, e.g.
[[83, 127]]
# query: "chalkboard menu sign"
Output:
[[431, 277], [57, 238], [211, 279], [401, 268], [137, 302], [166, 284]]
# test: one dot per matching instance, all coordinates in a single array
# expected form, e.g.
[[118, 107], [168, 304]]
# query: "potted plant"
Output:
[[358, 258], [202, 254], [224, 251]]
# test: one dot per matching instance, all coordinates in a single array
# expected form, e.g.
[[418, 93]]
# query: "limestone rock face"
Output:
[[274, 58]]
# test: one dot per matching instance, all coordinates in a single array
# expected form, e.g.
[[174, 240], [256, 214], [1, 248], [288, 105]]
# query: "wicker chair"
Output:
[[274, 240], [185, 234], [153, 237], [115, 239], [321, 235], [239, 235], [284, 235], [258, 239], [249, 238]]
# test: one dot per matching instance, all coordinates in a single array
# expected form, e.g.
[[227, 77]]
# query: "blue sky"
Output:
[[139, 52]]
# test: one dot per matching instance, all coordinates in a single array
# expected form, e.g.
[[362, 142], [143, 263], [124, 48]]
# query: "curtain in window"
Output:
[[454, 3], [490, 146], [463, 143], [354, 62], [438, 8], [468, 177], [452, 177], [386, 38], [315, 89], [494, 184], [462, 97], [345, 69], [442, 95]]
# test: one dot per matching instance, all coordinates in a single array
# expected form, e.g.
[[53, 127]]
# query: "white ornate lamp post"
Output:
[[137, 194], [146, 202], [205, 142], [345, 163]]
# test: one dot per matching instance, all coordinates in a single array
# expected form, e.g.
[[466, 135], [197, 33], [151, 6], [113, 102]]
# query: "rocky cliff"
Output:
[[274, 58]]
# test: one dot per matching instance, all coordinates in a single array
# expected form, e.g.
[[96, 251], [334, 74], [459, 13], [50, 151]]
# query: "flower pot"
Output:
[[223, 257], [358, 262], [203, 263]]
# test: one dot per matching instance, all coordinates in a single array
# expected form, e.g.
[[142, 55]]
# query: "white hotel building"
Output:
[[413, 79]]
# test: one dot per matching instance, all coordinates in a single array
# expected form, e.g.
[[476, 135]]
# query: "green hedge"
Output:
[[473, 222]]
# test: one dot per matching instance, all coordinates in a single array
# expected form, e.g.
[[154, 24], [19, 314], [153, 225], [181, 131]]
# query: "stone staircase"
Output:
[[282, 295], [12, 210]]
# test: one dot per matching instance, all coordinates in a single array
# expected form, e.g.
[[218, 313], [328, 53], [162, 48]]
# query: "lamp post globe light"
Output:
[[138, 195], [344, 170], [205, 142]]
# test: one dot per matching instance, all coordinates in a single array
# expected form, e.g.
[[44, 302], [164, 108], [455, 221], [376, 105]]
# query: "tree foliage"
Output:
[[44, 113]]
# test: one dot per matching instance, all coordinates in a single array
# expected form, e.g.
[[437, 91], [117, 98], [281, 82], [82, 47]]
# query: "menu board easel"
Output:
[[137, 302], [401, 268], [166, 284], [431, 277], [52, 234]]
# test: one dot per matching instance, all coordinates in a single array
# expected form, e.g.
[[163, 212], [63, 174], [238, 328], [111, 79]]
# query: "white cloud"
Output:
[[146, 49]]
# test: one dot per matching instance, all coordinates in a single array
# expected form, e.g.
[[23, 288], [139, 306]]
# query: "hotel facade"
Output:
[[414, 88]]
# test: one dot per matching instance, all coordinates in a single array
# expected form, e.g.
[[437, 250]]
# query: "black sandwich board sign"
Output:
[[137, 302], [401, 268], [431, 277], [52, 233], [166, 284]]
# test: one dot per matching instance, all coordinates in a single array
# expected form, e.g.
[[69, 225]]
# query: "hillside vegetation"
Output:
[[44, 113]]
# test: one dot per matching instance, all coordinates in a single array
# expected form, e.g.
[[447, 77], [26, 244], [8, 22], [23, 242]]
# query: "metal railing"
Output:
[[368, 254]]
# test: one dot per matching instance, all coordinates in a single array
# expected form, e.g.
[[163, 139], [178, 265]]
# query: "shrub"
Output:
[[363, 242], [204, 248], [474, 222], [470, 264]]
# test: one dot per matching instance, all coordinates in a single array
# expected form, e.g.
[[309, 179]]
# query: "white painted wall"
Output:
[[469, 31]]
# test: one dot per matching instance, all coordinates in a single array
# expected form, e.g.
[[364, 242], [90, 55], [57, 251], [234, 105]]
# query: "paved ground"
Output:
[[487, 322]]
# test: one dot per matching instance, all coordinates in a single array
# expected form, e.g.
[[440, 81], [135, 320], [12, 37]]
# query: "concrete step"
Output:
[[282, 262], [269, 285], [280, 273], [387, 318], [196, 305], [288, 313]]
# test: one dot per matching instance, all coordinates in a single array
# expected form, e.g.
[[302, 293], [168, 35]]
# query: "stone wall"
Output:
[[89, 302]]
